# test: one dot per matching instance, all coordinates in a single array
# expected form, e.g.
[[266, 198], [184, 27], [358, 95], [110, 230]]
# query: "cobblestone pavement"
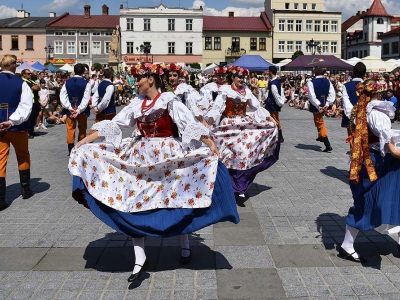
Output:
[[284, 247]]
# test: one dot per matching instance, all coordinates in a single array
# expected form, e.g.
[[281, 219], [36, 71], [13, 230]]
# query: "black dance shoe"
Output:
[[349, 256], [398, 248], [185, 260], [136, 276], [327, 149], [240, 200], [319, 139]]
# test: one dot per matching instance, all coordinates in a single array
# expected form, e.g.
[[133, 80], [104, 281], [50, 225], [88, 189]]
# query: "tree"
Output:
[[195, 66], [296, 54], [97, 66]]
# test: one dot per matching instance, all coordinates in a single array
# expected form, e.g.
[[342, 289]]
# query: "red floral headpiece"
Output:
[[185, 74], [220, 70], [173, 67], [238, 71], [147, 69]]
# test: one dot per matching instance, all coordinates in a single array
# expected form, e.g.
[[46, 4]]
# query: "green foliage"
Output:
[[195, 66], [296, 54], [97, 66]]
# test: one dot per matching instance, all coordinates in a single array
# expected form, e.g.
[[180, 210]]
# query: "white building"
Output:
[[175, 34]]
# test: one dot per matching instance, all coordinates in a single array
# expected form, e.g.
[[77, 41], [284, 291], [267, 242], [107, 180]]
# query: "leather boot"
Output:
[[280, 135], [70, 146], [3, 204], [25, 179], [327, 144]]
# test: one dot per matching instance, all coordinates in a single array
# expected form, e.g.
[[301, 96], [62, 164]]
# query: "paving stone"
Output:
[[20, 259], [243, 257], [296, 291]]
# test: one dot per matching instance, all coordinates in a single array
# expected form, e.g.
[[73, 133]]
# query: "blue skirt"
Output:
[[378, 202], [345, 121], [165, 222]]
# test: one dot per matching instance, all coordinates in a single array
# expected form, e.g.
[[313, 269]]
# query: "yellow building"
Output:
[[225, 39], [295, 23]]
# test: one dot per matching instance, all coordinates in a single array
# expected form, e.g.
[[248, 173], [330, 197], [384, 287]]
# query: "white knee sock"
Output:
[[398, 234], [185, 244], [140, 256], [348, 243]]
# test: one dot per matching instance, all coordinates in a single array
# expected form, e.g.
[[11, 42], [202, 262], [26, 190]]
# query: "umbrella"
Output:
[[284, 62], [24, 66], [309, 62], [253, 63], [67, 67], [375, 64], [191, 70], [39, 66], [209, 69], [52, 68]]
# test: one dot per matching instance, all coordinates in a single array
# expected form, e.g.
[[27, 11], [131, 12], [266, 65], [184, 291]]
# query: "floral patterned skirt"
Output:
[[146, 174], [245, 143]]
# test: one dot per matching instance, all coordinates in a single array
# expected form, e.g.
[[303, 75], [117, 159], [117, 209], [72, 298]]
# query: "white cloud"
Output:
[[61, 6], [252, 11], [7, 12], [251, 3]]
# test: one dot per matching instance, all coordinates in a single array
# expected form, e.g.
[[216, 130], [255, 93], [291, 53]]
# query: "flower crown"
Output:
[[220, 70], [238, 71], [370, 87], [173, 67], [147, 69], [184, 73]]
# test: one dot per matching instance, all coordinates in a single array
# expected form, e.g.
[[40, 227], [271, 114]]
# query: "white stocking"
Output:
[[348, 243], [398, 234], [140, 256], [185, 244]]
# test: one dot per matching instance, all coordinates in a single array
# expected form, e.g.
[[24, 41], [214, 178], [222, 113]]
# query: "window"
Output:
[[308, 48], [317, 26], [287, 5], [262, 44], [313, 6], [379, 21], [71, 33], [96, 33], [235, 44], [325, 47], [333, 47], [290, 25], [189, 48], [281, 25], [296, 6], [385, 48], [217, 43], [208, 44], [378, 34], [70, 47], [334, 26], [58, 33], [146, 25], [83, 33], [171, 47], [299, 45], [365, 21], [299, 25], [129, 24], [108, 33], [290, 46], [281, 46], [365, 36], [309, 25], [106, 47], [325, 26], [189, 24], [96, 48], [1, 42], [171, 24], [29, 42], [83, 47], [365, 53], [129, 47], [395, 47], [253, 44], [304, 5], [58, 47]]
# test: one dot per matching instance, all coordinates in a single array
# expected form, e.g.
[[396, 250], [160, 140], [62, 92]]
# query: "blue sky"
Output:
[[8, 8]]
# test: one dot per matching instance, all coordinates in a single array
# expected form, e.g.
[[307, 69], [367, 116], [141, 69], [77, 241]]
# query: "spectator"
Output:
[[262, 89], [44, 97], [54, 115]]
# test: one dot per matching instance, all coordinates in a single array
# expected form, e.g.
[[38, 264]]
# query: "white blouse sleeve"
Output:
[[193, 99], [190, 129], [260, 114], [347, 106], [380, 125], [217, 109]]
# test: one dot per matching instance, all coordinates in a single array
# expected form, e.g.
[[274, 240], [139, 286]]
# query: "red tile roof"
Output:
[[79, 21], [351, 21], [395, 31], [377, 9], [220, 23], [395, 20]]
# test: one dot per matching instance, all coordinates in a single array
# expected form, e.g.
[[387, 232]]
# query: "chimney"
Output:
[[121, 6], [52, 14], [21, 14], [201, 7], [231, 14], [358, 12], [27, 15], [87, 11], [105, 10]]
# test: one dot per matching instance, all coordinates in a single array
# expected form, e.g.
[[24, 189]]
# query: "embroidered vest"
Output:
[[351, 91], [110, 109], [162, 127], [76, 88], [234, 109], [270, 103], [321, 89]]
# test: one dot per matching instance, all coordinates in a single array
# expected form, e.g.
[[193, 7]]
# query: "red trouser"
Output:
[[19, 140], [101, 117], [71, 128], [319, 123], [275, 116]]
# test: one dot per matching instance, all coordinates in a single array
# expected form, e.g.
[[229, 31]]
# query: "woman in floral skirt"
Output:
[[244, 132], [154, 183]]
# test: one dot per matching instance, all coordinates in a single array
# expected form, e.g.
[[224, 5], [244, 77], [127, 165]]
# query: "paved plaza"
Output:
[[284, 247]]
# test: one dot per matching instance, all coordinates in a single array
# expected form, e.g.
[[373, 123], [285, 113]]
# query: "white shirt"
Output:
[[24, 107], [347, 106], [85, 100], [279, 99], [313, 98], [106, 98]]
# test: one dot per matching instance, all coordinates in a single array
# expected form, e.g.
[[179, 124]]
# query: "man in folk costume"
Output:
[[15, 108], [26, 76], [321, 94], [275, 98], [103, 99], [349, 92], [74, 97]]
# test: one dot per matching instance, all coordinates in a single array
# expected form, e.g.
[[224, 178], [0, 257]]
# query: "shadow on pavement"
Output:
[[309, 147], [14, 190], [336, 173]]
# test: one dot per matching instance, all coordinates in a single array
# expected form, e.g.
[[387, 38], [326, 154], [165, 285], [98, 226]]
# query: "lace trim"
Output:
[[192, 135], [261, 114], [229, 92], [110, 131]]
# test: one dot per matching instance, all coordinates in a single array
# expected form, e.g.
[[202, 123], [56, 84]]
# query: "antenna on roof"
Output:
[[127, 3], [22, 6]]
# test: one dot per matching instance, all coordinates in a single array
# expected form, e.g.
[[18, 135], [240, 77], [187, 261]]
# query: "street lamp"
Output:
[[49, 49], [144, 48], [314, 45]]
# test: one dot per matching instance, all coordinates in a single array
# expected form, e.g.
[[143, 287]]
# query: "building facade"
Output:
[[81, 38], [390, 44], [174, 35], [297, 23], [25, 36], [225, 39]]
